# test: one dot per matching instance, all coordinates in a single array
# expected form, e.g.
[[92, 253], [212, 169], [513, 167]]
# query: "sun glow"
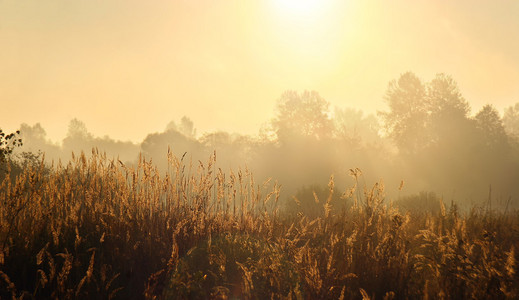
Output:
[[308, 33], [306, 14], [299, 7]]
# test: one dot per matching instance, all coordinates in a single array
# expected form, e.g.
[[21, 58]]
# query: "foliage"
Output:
[[7, 144], [444, 97], [511, 120], [302, 114], [186, 127], [442, 146], [418, 112], [406, 120], [355, 128], [490, 125]]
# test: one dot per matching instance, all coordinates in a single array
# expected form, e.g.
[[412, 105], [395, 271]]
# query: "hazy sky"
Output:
[[127, 68]]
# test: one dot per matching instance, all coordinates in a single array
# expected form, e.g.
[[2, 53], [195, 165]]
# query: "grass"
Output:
[[95, 228]]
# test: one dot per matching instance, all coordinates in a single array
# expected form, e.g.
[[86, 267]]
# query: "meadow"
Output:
[[95, 228]]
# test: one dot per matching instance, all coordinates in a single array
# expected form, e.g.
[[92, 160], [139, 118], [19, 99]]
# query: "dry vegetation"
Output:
[[96, 228]]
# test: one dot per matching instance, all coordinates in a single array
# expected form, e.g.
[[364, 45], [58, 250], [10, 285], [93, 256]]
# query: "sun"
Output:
[[299, 7], [306, 31]]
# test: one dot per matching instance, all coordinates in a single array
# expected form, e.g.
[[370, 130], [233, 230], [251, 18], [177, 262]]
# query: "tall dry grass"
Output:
[[95, 228]]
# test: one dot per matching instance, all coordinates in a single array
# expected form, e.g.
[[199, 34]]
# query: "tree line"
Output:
[[427, 137]]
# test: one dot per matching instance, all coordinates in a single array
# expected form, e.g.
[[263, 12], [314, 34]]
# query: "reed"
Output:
[[96, 228]]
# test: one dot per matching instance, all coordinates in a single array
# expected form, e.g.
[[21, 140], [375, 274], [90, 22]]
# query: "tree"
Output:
[[429, 123], [355, 128], [35, 133], [302, 115], [422, 115], [7, 144], [406, 120], [77, 130], [232, 150], [497, 159], [444, 98], [491, 128], [35, 140], [186, 127], [78, 138], [156, 145], [511, 120], [448, 122]]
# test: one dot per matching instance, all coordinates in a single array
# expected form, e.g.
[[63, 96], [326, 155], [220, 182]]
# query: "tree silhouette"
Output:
[[186, 127], [444, 97], [448, 124], [302, 115], [354, 128], [421, 115], [7, 144], [78, 138], [491, 128], [406, 120], [511, 120]]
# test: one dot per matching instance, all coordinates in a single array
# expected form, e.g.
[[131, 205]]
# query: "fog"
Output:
[[425, 139]]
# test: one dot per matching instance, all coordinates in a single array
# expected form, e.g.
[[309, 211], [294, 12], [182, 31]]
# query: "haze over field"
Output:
[[274, 149], [127, 68], [294, 90]]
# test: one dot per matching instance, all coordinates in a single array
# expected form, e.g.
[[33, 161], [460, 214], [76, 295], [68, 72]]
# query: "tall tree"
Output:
[[355, 128], [406, 120], [35, 140], [511, 120], [78, 138], [448, 121], [186, 127], [491, 128], [421, 115], [444, 97], [302, 114]]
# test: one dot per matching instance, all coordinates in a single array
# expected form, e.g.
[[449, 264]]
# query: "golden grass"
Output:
[[95, 228]]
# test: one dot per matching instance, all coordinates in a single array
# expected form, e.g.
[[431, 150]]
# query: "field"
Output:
[[95, 228]]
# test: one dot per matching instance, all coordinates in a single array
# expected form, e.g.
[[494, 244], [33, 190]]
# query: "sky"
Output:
[[127, 68]]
